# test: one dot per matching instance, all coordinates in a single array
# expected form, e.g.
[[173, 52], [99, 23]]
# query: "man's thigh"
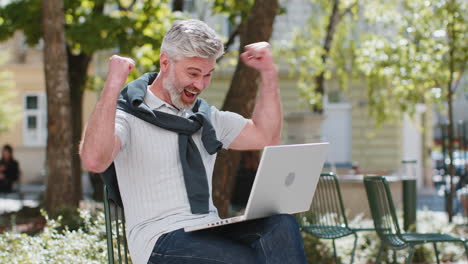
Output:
[[276, 239], [250, 231], [203, 247]]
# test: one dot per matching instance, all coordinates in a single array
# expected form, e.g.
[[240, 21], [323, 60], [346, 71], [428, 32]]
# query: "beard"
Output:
[[170, 85]]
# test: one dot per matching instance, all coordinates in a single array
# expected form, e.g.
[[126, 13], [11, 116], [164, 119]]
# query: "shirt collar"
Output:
[[156, 103]]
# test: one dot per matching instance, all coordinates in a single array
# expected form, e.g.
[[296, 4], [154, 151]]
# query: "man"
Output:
[[163, 141]]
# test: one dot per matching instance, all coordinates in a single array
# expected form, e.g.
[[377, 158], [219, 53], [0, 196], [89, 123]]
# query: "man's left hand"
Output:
[[258, 56]]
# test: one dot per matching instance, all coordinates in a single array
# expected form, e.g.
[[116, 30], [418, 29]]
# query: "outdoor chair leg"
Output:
[[354, 248], [334, 252], [394, 256], [124, 236], [410, 255], [436, 252], [116, 210], [110, 247], [377, 260], [466, 249]]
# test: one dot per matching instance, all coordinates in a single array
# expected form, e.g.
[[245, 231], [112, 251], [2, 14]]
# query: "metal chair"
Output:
[[386, 222], [326, 217], [113, 208]]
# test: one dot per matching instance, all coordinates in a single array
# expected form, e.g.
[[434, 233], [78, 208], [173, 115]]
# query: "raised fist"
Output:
[[119, 68], [258, 56]]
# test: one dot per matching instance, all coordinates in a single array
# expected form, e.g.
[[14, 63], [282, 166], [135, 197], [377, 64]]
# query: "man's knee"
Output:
[[283, 241], [284, 226], [286, 221]]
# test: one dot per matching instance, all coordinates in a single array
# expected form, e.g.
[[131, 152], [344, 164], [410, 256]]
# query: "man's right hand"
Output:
[[119, 68]]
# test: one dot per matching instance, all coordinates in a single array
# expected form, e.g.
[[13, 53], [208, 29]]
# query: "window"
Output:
[[35, 120]]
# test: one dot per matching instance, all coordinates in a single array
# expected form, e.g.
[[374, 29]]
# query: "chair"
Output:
[[326, 218], [113, 208], [386, 222]]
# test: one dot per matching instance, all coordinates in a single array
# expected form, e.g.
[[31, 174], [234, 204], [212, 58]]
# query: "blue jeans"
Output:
[[275, 239]]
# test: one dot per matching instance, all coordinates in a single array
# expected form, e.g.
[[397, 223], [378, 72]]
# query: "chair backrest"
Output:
[[383, 211], [113, 210], [327, 208], [109, 176]]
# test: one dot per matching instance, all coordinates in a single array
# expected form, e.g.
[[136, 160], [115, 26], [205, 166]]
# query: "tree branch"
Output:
[[347, 11], [129, 8], [231, 39]]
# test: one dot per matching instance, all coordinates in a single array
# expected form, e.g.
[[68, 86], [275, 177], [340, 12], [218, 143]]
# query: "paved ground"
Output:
[[431, 200], [30, 195], [434, 200]]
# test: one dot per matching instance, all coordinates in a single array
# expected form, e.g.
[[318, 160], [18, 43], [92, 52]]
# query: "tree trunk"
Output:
[[77, 75], [451, 58], [241, 97], [178, 5], [61, 188], [335, 18], [77, 72], [450, 151]]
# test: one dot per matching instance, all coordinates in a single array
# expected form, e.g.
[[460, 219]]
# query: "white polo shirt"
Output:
[[150, 175]]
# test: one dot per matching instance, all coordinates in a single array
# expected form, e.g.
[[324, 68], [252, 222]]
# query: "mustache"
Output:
[[192, 89]]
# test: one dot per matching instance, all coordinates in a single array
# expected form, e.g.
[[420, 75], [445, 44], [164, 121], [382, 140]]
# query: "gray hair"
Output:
[[192, 38]]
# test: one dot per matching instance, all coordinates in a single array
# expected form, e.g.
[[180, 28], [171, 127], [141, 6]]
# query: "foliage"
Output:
[[56, 244], [419, 56], [404, 48], [419, 46], [305, 53], [234, 9], [93, 26], [9, 111]]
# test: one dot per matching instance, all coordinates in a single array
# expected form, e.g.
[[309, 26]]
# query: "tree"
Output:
[[322, 49], [134, 28], [421, 59], [257, 26], [60, 183]]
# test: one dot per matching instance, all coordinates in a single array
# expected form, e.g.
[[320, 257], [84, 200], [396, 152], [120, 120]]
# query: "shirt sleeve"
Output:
[[122, 127], [228, 125]]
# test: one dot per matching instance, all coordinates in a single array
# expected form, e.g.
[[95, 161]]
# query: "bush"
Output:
[[58, 244]]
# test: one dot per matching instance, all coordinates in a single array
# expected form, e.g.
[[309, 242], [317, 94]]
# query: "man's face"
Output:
[[186, 79]]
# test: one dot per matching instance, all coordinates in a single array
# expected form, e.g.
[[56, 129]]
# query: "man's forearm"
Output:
[[99, 136], [267, 115]]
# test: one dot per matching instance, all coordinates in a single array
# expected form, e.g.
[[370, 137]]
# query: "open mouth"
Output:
[[190, 94]]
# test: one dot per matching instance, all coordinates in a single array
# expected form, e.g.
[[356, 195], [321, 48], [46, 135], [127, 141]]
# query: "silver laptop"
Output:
[[285, 182]]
